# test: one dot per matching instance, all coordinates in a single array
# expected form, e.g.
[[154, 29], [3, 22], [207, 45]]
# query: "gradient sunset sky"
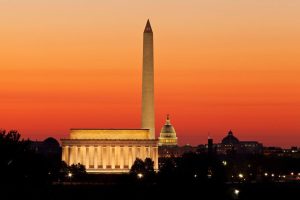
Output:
[[219, 65]]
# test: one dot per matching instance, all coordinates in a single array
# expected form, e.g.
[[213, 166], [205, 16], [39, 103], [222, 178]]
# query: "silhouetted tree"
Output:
[[12, 151], [145, 168], [63, 171], [77, 170], [138, 167], [149, 165]]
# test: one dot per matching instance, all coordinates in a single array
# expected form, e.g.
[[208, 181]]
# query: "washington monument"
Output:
[[148, 116]]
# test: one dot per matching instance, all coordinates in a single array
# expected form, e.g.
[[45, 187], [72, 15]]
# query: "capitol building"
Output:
[[167, 134]]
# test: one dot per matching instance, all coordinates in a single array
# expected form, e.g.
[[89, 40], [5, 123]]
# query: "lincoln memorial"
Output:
[[109, 150]]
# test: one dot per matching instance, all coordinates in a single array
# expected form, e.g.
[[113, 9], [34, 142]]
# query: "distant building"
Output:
[[231, 144], [167, 134], [251, 147], [268, 151], [278, 151]]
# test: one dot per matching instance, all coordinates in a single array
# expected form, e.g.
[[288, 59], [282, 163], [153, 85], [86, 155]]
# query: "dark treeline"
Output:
[[27, 173], [19, 163]]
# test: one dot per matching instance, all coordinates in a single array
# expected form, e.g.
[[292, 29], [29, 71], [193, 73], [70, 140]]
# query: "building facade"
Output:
[[231, 145], [109, 150]]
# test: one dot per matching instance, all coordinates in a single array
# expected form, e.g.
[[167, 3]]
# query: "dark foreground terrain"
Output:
[[140, 190], [29, 174]]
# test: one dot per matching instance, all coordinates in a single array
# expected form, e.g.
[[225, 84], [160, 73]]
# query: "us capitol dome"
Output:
[[167, 134], [230, 139]]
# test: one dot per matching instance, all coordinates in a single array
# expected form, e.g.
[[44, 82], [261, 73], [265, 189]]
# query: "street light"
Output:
[[70, 176], [140, 175], [236, 192]]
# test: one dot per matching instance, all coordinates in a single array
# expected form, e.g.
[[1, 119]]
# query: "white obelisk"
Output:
[[148, 116]]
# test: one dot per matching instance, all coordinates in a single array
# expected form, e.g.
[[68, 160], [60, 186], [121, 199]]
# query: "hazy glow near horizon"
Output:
[[219, 65]]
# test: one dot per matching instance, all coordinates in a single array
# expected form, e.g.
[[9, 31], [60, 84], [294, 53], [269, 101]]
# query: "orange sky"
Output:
[[219, 65]]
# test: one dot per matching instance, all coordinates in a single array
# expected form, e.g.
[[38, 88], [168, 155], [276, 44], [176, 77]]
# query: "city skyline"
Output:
[[214, 72]]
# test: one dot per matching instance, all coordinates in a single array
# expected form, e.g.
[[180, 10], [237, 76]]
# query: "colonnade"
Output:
[[109, 157]]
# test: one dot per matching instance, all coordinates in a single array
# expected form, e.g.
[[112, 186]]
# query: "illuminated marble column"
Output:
[[104, 157], [79, 154], [71, 155], [83, 155], [138, 152], [108, 155], [133, 154], [126, 156], [87, 158], [147, 149], [130, 157], [95, 157], [91, 156], [143, 153], [75, 151], [68, 155], [99, 155], [117, 155], [122, 157], [65, 154], [113, 157]]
